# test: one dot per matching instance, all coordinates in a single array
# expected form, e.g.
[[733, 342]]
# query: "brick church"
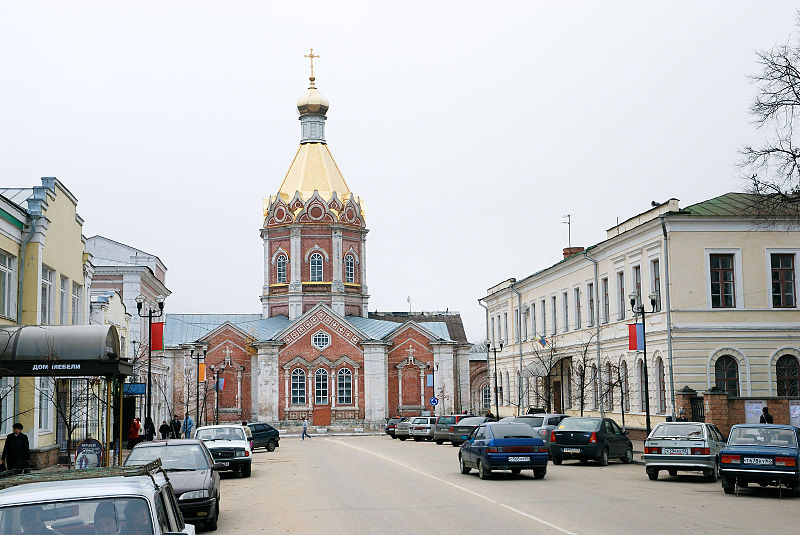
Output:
[[315, 351]]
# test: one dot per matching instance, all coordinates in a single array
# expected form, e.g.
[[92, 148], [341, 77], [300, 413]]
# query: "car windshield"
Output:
[[177, 457], [762, 436], [447, 420], [220, 433], [512, 431], [535, 421], [579, 424], [105, 515], [678, 431], [420, 421], [475, 420]]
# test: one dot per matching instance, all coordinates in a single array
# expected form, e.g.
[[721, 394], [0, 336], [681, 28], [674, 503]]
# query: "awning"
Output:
[[61, 350]]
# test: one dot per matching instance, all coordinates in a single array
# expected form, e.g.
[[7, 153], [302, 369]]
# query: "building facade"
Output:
[[723, 318]]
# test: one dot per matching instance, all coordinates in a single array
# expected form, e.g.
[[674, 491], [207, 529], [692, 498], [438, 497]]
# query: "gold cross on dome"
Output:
[[311, 56]]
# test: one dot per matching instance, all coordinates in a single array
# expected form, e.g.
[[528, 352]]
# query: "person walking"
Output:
[[133, 433], [766, 417], [188, 423], [164, 430], [176, 426], [16, 451], [682, 416], [305, 429], [149, 429]]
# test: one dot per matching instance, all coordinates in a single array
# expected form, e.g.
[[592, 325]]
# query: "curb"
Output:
[[343, 434]]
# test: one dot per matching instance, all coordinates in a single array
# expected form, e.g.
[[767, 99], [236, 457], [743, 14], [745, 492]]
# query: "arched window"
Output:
[[609, 388], [662, 386], [349, 269], [642, 381], [726, 375], [344, 387], [624, 386], [316, 267], [595, 388], [787, 372], [280, 266], [298, 387], [487, 397], [321, 387]]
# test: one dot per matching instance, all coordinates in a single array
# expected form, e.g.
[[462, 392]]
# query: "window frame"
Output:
[[344, 389], [785, 392], [45, 395], [349, 269], [321, 386], [794, 253], [7, 263], [486, 397], [606, 300], [63, 302], [554, 310], [590, 294], [565, 304], [621, 299], [578, 320], [727, 379], [655, 281], [320, 345], [298, 387], [316, 267], [281, 269], [46, 296], [76, 302], [737, 278], [8, 387]]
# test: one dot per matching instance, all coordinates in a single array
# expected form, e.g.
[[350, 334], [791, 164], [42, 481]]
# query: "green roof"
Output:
[[730, 204]]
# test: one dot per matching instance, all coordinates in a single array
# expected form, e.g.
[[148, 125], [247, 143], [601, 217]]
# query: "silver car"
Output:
[[403, 429], [422, 428], [543, 424], [684, 446]]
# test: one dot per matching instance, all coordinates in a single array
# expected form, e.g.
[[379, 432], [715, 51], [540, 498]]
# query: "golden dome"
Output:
[[312, 102]]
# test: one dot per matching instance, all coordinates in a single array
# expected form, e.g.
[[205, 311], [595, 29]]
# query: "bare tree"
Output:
[[541, 365], [616, 379], [582, 360], [772, 169]]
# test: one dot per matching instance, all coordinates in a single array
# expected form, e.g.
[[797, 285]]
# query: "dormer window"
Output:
[[321, 340]]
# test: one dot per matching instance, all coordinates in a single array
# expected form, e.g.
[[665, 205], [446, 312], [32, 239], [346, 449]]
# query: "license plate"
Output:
[[675, 451], [519, 459], [571, 450], [756, 460], [463, 437]]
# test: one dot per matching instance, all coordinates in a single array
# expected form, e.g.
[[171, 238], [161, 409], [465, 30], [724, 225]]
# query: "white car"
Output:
[[229, 445]]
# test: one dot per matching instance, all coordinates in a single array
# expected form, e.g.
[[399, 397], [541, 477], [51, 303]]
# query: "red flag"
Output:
[[157, 337], [635, 336]]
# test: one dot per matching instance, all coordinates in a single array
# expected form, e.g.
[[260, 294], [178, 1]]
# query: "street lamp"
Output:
[[494, 350], [149, 315], [197, 359], [638, 308]]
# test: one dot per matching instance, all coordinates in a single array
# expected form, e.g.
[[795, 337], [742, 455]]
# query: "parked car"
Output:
[[229, 445], [503, 446], [463, 429], [443, 431], [391, 425], [403, 429], [684, 446], [766, 454], [80, 501], [590, 439], [191, 470], [422, 428], [264, 436], [543, 423]]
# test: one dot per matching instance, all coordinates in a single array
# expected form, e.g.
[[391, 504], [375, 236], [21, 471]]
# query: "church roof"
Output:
[[450, 321], [313, 168], [187, 328]]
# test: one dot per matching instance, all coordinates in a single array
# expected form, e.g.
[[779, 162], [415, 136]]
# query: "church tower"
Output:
[[314, 232]]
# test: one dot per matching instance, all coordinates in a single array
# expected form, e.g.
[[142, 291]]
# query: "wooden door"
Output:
[[557, 396], [322, 415]]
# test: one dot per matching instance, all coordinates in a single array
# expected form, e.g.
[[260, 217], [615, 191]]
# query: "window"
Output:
[[577, 308], [595, 388], [606, 315], [726, 375], [637, 284], [321, 387], [783, 295], [621, 301], [349, 269], [298, 387], [624, 386], [544, 317], [515, 327], [722, 281], [494, 342], [316, 267], [77, 293], [321, 340], [6, 404], [662, 386], [505, 326], [655, 282], [565, 304], [523, 324], [6, 288], [46, 310], [486, 397], [63, 302], [590, 294], [499, 331], [554, 305], [345, 387], [642, 381], [280, 268], [45, 401], [787, 372], [533, 320]]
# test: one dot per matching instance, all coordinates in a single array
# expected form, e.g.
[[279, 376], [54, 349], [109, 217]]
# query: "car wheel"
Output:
[[402, 438], [539, 473], [652, 474], [628, 459], [211, 525], [464, 468], [516, 471], [455, 444], [393, 437], [557, 460], [672, 472], [796, 488], [417, 439], [483, 472], [439, 442], [246, 469], [271, 445], [713, 474], [728, 486], [603, 459]]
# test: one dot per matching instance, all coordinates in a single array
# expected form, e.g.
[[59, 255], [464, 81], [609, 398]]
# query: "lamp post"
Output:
[[639, 309], [197, 360], [215, 371], [150, 315], [494, 350]]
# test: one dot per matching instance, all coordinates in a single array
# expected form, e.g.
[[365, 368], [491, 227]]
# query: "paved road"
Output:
[[378, 485]]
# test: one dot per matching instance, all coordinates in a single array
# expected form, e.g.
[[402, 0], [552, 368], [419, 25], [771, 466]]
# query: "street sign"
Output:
[[434, 401]]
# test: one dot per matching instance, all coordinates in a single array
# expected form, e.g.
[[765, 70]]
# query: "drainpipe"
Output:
[[669, 312], [597, 335], [519, 339], [21, 277], [480, 302]]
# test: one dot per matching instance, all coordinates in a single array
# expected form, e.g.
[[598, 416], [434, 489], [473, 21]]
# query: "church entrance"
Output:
[[322, 415]]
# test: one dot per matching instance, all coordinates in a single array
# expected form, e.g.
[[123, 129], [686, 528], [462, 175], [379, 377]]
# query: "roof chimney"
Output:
[[571, 251]]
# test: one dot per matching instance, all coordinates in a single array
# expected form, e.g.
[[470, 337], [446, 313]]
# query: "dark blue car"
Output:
[[761, 453], [503, 446]]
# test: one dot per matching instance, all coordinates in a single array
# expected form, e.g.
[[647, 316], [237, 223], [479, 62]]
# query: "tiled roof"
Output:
[[730, 204], [187, 328]]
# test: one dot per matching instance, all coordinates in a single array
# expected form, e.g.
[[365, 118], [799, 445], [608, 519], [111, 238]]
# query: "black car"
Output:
[[461, 431], [391, 425], [264, 436], [192, 472], [590, 439]]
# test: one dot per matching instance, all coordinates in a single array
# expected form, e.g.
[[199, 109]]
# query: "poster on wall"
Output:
[[794, 412], [752, 410], [89, 454]]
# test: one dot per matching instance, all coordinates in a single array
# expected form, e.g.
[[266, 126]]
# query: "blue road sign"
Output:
[[434, 401]]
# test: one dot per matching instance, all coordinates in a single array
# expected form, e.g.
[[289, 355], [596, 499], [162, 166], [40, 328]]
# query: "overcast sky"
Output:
[[470, 129]]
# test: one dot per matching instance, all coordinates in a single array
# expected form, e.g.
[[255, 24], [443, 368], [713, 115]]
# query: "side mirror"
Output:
[[218, 466]]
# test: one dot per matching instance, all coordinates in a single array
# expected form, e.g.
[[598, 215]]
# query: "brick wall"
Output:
[[44, 457]]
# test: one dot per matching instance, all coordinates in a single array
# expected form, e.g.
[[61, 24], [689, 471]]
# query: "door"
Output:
[[322, 415], [612, 439], [556, 396]]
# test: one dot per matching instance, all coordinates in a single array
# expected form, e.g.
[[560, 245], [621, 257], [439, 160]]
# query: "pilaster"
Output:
[[265, 395], [443, 365], [376, 369], [464, 399]]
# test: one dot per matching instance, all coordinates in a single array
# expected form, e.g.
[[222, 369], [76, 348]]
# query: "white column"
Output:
[[445, 374], [462, 369], [355, 375], [267, 381], [422, 386], [376, 369]]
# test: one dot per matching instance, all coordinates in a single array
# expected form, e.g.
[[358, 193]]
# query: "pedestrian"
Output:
[[682, 416], [244, 424], [188, 423], [149, 429], [176, 426], [133, 433], [766, 417], [16, 451], [489, 415], [164, 430], [305, 429]]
